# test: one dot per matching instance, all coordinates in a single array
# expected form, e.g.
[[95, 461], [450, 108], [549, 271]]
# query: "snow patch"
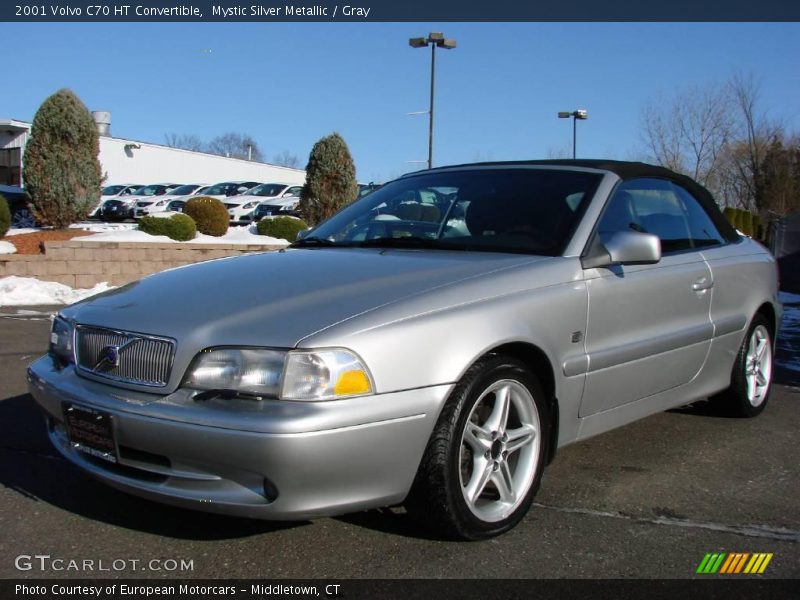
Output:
[[25, 291], [787, 298], [22, 230], [103, 227], [7, 248], [235, 235]]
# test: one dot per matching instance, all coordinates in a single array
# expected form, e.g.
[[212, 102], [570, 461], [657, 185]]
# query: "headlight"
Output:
[[250, 205], [295, 375], [160, 203], [324, 375], [61, 341], [249, 371], [291, 206]]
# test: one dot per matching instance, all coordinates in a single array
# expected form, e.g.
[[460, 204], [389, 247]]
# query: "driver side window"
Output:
[[659, 207]]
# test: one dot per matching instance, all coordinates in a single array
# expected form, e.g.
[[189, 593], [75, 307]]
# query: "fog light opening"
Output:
[[270, 491]]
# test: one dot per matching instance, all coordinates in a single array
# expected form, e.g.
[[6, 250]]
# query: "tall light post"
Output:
[[433, 40], [581, 114]]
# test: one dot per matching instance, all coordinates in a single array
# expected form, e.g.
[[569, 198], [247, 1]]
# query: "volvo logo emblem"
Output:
[[109, 356]]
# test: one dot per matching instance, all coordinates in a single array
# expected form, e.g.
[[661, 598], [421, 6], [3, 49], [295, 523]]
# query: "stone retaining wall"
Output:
[[85, 264]]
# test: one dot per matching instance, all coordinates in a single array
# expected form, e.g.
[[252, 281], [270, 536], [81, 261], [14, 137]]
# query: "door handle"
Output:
[[703, 284]]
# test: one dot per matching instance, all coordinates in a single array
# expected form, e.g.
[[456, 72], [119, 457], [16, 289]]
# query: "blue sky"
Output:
[[497, 94]]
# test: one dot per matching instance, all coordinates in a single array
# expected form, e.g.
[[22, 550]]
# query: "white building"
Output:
[[132, 161]]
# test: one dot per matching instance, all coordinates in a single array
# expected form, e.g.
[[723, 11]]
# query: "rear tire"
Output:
[[751, 379], [484, 460]]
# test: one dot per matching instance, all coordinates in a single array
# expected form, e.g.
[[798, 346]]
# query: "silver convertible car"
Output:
[[431, 344]]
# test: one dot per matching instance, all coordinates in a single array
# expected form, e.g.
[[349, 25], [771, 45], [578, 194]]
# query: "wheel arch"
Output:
[[771, 315], [540, 365]]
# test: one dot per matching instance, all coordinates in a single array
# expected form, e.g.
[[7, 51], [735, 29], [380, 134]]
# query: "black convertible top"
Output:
[[626, 170]]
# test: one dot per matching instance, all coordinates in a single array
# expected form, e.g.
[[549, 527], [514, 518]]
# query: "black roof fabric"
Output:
[[626, 170]]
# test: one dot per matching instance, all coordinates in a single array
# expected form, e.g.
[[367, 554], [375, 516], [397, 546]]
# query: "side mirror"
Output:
[[624, 248], [302, 233]]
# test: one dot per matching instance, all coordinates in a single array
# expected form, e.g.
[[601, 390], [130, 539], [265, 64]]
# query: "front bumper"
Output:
[[264, 459]]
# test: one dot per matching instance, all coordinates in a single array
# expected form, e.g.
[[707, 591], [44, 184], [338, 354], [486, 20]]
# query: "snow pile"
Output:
[[7, 248], [787, 298], [22, 291], [21, 230], [788, 356], [103, 227], [235, 235]]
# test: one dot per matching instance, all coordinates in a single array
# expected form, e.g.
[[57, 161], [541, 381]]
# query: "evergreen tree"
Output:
[[777, 180], [330, 180], [61, 171]]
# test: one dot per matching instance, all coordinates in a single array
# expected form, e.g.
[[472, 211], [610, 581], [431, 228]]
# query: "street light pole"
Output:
[[430, 111], [581, 114], [433, 40]]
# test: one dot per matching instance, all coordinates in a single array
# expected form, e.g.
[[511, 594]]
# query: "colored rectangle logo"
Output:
[[734, 563]]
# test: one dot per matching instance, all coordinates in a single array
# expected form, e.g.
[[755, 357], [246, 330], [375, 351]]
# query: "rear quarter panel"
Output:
[[745, 278]]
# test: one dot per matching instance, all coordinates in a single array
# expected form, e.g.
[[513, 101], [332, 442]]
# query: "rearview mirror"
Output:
[[624, 248]]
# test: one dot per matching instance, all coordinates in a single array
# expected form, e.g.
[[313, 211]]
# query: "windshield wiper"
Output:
[[401, 242]]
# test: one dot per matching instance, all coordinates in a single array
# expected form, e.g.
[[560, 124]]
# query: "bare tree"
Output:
[[235, 145], [287, 159], [688, 132], [755, 133], [184, 141]]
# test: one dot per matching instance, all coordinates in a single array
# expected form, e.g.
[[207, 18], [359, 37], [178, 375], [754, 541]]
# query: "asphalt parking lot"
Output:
[[646, 501]]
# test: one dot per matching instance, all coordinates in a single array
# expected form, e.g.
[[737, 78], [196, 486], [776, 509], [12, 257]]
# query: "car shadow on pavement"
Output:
[[32, 468], [392, 521]]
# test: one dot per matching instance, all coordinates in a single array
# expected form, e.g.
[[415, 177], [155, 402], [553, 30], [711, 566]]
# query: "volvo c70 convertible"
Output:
[[432, 344]]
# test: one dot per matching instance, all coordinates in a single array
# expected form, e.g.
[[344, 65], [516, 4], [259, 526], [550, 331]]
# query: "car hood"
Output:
[[276, 299], [244, 199], [276, 201]]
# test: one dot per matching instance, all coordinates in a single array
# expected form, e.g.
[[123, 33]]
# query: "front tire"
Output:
[[484, 461], [751, 379]]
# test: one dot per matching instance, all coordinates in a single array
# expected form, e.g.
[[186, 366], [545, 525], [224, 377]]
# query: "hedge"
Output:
[[209, 214], [178, 227], [5, 216], [285, 228]]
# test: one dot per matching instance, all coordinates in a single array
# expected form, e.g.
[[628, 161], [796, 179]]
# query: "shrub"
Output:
[[178, 227], [330, 180], [730, 215], [5, 216], [60, 167], [285, 228], [209, 214]]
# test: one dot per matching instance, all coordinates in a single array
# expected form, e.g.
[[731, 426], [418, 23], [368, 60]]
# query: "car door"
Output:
[[648, 326]]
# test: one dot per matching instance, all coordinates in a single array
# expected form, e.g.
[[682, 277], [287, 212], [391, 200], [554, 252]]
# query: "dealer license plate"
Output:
[[90, 431]]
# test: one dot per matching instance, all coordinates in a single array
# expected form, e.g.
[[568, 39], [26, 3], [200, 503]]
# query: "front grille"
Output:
[[230, 206], [122, 356], [267, 208]]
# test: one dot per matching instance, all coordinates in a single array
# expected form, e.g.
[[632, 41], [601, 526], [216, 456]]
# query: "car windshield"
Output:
[[518, 210], [149, 190], [219, 189], [183, 190], [112, 190], [267, 189]]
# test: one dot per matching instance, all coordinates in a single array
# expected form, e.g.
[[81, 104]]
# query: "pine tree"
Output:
[[330, 180], [61, 171]]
